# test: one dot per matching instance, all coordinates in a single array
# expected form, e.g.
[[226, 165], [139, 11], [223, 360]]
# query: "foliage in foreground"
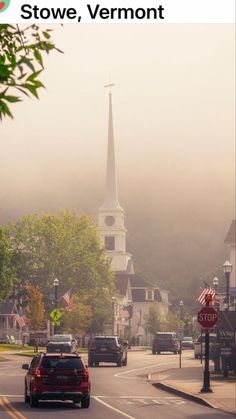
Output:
[[21, 62]]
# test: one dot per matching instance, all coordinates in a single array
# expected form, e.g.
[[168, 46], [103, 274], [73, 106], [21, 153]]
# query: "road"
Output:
[[117, 393]]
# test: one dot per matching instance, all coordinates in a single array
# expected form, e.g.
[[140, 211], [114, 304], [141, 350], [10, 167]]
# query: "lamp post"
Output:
[[56, 284], [181, 304], [113, 300], [129, 308], [216, 304], [227, 269]]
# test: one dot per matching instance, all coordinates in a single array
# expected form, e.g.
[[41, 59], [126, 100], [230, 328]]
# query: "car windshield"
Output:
[[61, 338], [64, 363]]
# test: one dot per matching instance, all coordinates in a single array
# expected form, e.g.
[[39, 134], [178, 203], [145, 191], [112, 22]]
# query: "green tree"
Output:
[[35, 311], [154, 321], [67, 247], [7, 276], [78, 320], [21, 62]]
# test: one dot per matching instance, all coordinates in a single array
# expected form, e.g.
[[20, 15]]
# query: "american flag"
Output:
[[68, 299], [19, 317], [208, 290]]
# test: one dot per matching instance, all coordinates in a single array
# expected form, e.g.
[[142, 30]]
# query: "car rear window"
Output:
[[164, 336], [212, 338], [104, 340], [62, 362], [61, 338]]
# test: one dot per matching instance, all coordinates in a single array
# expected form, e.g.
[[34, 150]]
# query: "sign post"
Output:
[[207, 318]]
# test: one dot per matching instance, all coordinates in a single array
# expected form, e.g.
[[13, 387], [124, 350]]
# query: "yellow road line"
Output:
[[10, 409], [13, 416]]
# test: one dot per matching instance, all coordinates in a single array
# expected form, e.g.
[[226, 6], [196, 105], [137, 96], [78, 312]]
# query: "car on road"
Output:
[[199, 344], [62, 343], [165, 342], [57, 377], [107, 349], [187, 343]]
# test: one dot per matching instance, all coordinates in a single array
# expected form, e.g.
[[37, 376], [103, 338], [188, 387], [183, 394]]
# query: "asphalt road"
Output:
[[116, 393]]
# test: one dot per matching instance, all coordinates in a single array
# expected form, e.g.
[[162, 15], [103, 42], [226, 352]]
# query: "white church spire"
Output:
[[111, 194], [110, 214]]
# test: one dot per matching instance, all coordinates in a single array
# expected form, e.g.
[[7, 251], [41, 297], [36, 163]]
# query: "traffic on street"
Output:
[[115, 393]]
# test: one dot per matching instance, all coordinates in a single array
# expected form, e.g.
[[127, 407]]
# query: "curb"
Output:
[[186, 395], [190, 396]]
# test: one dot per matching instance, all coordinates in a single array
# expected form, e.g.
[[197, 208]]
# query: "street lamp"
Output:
[[227, 269], [129, 308], [113, 300], [56, 284], [181, 304], [215, 283]]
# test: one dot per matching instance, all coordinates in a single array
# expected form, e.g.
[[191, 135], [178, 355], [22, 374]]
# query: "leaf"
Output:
[[46, 35], [33, 76], [12, 99], [32, 89], [38, 57], [5, 110]]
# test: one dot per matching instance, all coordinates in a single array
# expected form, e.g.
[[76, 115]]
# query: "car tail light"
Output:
[[115, 347], [40, 373], [83, 374]]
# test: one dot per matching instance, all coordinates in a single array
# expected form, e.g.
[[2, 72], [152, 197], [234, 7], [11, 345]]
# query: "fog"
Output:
[[173, 108]]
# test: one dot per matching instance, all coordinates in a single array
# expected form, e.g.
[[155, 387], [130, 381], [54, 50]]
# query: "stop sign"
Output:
[[207, 317]]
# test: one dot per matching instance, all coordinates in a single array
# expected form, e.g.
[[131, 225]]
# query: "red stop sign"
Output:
[[207, 317]]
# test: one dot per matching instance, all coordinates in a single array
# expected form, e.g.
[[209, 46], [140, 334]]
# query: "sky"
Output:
[[173, 109]]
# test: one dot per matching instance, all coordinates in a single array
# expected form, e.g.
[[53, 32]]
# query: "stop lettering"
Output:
[[207, 317]]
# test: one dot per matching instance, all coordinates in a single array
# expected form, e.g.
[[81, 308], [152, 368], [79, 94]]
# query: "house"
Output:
[[8, 324]]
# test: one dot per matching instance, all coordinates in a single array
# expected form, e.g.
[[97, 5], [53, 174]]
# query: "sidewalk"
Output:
[[188, 381]]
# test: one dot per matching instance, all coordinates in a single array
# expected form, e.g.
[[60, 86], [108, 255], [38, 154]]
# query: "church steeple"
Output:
[[110, 214], [111, 194]]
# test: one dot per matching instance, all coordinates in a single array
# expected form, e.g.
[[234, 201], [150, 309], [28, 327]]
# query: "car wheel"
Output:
[[153, 352], [125, 362], [119, 363], [90, 363], [85, 402], [33, 401], [175, 352], [96, 364]]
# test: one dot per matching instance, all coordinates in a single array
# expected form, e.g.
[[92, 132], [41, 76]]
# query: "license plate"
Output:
[[103, 349], [62, 377]]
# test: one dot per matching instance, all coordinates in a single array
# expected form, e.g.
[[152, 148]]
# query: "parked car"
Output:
[[62, 343], [187, 342], [200, 342], [107, 349], [57, 377], [165, 342]]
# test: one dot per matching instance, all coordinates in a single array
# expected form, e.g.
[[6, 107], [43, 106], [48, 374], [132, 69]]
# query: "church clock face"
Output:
[[109, 220]]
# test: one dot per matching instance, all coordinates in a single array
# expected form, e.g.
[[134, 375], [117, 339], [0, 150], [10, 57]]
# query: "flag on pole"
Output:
[[68, 299], [208, 290], [19, 317]]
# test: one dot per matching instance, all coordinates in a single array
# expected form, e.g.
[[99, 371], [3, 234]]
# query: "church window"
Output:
[[149, 295], [109, 242]]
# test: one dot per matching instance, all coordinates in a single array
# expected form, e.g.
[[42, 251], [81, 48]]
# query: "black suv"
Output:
[[57, 377], [165, 342], [62, 343], [107, 349]]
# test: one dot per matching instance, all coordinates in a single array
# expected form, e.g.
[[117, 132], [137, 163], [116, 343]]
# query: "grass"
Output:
[[4, 347]]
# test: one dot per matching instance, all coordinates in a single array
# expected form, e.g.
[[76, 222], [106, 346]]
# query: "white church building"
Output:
[[134, 290]]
